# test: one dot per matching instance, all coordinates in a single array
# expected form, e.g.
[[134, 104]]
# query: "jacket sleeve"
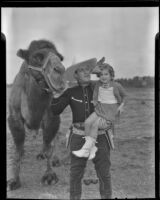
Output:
[[60, 103], [122, 92]]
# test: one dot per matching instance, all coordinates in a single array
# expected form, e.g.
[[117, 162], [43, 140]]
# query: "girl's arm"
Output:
[[123, 95]]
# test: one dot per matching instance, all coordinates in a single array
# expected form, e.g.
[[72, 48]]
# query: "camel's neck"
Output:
[[38, 101]]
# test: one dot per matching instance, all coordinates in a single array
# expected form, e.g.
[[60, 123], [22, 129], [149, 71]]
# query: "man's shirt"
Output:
[[79, 98]]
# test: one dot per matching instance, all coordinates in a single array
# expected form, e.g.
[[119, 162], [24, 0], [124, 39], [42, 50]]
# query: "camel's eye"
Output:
[[39, 57]]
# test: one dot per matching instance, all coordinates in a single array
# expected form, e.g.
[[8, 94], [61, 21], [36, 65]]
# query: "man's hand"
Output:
[[58, 94]]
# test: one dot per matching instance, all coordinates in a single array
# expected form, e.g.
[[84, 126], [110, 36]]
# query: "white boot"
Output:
[[86, 148], [92, 153]]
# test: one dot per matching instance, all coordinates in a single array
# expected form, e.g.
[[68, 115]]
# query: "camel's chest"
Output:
[[32, 112]]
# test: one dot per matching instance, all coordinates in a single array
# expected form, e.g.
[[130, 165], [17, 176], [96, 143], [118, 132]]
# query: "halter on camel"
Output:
[[45, 74]]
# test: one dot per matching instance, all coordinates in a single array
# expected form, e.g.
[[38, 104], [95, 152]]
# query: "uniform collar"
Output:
[[84, 86]]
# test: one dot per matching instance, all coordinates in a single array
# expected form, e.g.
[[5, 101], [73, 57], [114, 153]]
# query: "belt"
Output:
[[81, 126]]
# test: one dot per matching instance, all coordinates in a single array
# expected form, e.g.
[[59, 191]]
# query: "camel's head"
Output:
[[44, 63]]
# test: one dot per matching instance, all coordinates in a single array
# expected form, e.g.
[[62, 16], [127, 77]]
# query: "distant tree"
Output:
[[137, 82]]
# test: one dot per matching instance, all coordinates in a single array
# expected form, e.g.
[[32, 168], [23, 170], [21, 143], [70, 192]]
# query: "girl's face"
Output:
[[105, 76]]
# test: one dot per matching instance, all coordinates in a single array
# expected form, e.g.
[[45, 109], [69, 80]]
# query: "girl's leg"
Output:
[[90, 138], [94, 134], [89, 149], [89, 122], [94, 128]]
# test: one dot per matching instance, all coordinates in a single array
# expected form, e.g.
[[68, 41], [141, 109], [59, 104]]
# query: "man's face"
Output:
[[83, 74]]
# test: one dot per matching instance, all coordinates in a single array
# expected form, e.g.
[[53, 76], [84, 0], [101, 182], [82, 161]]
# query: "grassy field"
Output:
[[133, 169]]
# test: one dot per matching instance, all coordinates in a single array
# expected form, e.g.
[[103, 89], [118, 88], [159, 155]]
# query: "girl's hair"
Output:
[[109, 68]]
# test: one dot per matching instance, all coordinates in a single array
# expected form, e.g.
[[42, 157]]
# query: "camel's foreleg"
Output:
[[18, 134], [50, 127], [50, 176]]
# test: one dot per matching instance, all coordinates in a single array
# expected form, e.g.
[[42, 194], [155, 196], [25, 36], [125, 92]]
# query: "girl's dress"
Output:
[[107, 100]]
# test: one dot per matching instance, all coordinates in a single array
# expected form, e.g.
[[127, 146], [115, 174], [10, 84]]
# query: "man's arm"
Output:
[[60, 103]]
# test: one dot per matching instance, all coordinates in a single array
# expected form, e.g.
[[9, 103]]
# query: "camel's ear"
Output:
[[23, 54]]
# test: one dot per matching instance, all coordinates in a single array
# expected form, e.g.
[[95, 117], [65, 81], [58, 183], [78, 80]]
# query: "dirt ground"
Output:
[[133, 169]]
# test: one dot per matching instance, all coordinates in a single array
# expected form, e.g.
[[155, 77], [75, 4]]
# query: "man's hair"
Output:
[[75, 75], [106, 66]]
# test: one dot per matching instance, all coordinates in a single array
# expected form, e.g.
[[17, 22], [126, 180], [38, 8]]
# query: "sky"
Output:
[[125, 36]]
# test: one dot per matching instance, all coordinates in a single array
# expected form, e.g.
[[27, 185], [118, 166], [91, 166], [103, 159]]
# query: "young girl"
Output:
[[108, 99]]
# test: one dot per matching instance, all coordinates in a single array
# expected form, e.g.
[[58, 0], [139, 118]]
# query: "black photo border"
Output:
[[84, 3]]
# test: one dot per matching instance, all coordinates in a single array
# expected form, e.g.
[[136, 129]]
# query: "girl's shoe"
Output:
[[92, 153], [86, 148]]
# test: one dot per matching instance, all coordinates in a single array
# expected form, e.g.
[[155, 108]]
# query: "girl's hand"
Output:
[[120, 109]]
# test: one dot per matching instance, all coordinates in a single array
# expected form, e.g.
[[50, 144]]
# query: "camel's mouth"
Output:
[[53, 71], [55, 84]]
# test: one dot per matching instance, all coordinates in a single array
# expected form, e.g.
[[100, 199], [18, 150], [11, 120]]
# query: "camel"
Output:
[[40, 75]]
